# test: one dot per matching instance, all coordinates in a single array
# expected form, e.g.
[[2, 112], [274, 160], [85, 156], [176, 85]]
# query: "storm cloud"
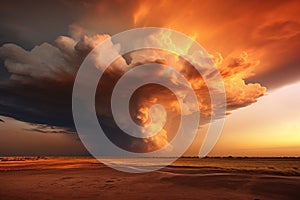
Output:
[[39, 87]]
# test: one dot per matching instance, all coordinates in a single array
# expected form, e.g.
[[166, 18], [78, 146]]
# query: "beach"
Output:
[[187, 178]]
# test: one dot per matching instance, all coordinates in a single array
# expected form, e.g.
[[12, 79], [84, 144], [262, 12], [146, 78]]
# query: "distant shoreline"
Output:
[[24, 158]]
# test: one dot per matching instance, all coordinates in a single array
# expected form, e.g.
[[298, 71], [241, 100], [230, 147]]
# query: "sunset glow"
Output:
[[255, 46]]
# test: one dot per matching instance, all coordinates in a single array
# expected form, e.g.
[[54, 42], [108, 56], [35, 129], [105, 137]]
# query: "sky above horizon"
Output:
[[255, 44]]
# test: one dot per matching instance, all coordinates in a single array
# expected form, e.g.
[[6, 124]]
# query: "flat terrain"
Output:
[[187, 178]]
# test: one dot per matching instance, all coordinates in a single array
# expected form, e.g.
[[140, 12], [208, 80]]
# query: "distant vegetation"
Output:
[[244, 157], [20, 158]]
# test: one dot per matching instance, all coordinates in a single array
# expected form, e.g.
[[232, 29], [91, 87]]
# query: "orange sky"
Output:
[[263, 36], [268, 31]]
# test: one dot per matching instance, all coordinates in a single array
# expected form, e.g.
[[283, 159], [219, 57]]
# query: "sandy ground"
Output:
[[67, 178]]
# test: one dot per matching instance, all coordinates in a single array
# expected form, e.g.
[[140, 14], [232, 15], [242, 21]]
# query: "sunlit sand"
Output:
[[187, 178]]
